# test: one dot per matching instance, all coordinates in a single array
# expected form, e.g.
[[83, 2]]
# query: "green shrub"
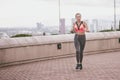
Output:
[[54, 34], [22, 35], [106, 30], [109, 30], [118, 29]]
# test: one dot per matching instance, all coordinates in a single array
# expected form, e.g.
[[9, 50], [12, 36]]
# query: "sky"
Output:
[[26, 13]]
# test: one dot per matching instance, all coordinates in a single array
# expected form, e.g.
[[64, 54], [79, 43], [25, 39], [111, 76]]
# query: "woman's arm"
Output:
[[86, 26], [73, 30]]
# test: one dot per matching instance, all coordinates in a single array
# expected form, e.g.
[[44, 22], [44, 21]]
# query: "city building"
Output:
[[62, 26], [3, 35], [39, 25]]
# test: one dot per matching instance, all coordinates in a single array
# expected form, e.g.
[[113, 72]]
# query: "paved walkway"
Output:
[[104, 66]]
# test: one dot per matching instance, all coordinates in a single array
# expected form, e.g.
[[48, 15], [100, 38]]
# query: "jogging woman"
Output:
[[79, 28]]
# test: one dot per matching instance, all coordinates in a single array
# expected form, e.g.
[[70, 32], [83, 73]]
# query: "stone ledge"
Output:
[[40, 40]]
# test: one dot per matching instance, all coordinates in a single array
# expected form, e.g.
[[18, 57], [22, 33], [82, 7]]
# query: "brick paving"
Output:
[[105, 66]]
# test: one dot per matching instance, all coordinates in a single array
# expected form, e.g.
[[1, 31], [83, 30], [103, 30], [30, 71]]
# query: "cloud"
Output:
[[25, 12], [31, 11], [95, 3]]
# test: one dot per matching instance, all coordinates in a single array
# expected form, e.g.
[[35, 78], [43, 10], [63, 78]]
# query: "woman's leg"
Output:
[[76, 43], [78, 57], [82, 41], [77, 47]]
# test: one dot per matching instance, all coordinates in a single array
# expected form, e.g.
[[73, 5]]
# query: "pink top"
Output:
[[81, 28]]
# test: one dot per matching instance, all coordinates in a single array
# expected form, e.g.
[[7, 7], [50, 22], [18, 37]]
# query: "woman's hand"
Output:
[[73, 30], [86, 26], [87, 31]]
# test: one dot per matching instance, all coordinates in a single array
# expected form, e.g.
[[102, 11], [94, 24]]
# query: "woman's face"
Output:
[[78, 17]]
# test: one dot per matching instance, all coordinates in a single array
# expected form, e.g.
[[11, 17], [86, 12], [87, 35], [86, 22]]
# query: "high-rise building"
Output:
[[39, 25], [95, 25], [62, 26], [72, 21], [119, 24], [3, 35]]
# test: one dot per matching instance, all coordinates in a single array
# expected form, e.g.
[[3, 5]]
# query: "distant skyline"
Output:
[[26, 13]]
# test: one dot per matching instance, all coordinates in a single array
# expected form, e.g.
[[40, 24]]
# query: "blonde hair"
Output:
[[77, 14]]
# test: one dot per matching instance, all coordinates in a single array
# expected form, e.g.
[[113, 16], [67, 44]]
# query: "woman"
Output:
[[79, 28]]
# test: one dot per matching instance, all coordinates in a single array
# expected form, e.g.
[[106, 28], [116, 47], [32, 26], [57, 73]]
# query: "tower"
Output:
[[62, 26]]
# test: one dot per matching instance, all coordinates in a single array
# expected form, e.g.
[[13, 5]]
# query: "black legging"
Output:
[[79, 42]]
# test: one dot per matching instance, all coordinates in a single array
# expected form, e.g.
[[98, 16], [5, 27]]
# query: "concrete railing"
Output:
[[29, 49]]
